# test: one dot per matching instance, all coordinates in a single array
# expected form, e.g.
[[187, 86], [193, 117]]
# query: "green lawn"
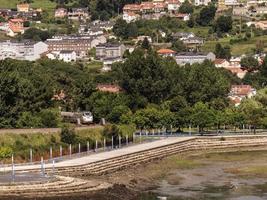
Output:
[[244, 47], [94, 65]]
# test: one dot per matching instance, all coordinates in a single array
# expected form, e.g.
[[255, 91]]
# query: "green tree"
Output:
[[203, 116], [206, 15], [143, 74], [117, 112], [249, 63], [222, 52], [145, 44], [49, 118], [186, 7], [178, 46], [254, 112], [223, 24]]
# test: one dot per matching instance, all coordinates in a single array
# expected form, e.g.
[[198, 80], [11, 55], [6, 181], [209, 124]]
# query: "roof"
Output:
[[132, 14], [66, 52], [192, 54], [16, 20], [219, 61], [109, 88], [180, 15], [165, 51], [132, 7], [108, 45], [172, 2], [147, 5]]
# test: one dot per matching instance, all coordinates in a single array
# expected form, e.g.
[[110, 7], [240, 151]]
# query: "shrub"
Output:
[[5, 152], [111, 130], [68, 135], [49, 118]]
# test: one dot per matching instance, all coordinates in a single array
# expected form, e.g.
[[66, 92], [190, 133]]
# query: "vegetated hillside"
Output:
[[44, 4]]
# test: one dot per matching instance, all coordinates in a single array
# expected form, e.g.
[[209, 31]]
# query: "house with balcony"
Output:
[[15, 27]]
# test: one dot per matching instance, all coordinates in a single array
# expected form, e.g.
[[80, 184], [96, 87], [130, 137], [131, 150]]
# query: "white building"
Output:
[[230, 2], [173, 5], [202, 2], [25, 50], [130, 17], [184, 58], [67, 56]]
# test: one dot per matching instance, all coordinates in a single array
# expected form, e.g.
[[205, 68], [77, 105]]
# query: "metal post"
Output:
[[127, 140], [88, 147], [171, 129], [53, 166], [190, 132], [42, 166], [112, 142], [30, 155], [60, 151], [51, 153], [243, 129], [119, 141], [79, 148], [13, 168], [96, 146], [140, 136], [70, 150], [104, 146]]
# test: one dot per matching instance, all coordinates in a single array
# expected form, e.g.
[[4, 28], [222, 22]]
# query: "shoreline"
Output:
[[140, 178]]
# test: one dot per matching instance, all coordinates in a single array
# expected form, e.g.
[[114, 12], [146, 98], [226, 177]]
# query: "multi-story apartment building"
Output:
[[80, 45], [110, 51], [23, 50]]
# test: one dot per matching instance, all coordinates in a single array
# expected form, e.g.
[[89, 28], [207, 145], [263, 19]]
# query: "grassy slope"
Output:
[[238, 48], [45, 4]]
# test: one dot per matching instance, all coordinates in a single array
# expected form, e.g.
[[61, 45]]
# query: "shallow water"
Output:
[[210, 182]]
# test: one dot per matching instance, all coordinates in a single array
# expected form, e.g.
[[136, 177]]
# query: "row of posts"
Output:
[[61, 154], [79, 148]]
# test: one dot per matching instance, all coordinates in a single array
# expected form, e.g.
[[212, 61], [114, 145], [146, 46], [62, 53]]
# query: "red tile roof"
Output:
[[166, 51]]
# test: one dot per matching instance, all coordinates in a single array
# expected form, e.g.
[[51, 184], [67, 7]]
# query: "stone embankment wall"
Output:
[[196, 144]]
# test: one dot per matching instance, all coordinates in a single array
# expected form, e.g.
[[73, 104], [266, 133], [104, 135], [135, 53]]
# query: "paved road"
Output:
[[43, 130], [104, 155]]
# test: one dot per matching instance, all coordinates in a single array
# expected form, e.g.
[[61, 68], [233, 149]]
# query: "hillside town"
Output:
[[133, 99], [98, 36]]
